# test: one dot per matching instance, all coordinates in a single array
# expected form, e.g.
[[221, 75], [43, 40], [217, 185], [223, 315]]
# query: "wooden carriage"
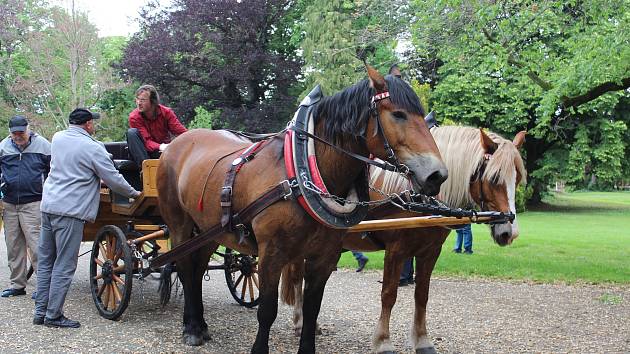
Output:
[[128, 233]]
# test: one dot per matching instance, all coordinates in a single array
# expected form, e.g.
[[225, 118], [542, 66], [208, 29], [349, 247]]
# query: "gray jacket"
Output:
[[78, 164]]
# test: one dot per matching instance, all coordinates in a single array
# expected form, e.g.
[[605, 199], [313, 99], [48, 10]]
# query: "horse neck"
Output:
[[339, 171]]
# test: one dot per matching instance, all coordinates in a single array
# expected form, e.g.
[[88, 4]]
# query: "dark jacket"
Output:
[[22, 173]]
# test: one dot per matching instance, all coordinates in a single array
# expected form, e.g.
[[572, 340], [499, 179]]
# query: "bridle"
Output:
[[482, 171], [391, 155]]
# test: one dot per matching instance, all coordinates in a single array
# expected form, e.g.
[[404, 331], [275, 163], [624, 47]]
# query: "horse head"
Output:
[[493, 186], [400, 134]]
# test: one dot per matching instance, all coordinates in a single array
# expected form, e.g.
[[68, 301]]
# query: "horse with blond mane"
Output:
[[484, 170]]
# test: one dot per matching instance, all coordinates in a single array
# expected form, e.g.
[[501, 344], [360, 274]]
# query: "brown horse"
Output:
[[484, 169], [192, 171]]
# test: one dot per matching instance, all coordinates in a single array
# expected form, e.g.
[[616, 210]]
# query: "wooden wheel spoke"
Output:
[[255, 279], [119, 269], [98, 276], [238, 281], [112, 300], [100, 290], [117, 279], [105, 298], [99, 262], [102, 250], [244, 288], [117, 256], [117, 293], [111, 246], [251, 289]]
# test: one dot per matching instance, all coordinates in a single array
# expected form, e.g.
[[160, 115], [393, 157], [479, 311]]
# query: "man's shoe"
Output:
[[362, 263], [403, 282], [457, 250], [13, 292], [468, 252], [38, 320], [61, 322], [34, 295]]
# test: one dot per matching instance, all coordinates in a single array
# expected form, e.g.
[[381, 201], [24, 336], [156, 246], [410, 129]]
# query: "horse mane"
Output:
[[463, 155], [348, 111]]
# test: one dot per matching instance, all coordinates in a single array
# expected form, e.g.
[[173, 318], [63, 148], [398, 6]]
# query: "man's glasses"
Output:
[[142, 100]]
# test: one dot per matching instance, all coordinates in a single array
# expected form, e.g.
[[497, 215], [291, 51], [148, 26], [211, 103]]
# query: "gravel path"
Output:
[[465, 316]]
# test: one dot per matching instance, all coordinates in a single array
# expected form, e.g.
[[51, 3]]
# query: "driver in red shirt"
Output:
[[152, 126]]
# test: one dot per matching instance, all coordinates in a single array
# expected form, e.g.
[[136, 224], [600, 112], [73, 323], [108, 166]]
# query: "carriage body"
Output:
[[128, 233]]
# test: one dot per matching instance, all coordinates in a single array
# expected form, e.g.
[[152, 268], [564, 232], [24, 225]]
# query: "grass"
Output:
[[581, 237]]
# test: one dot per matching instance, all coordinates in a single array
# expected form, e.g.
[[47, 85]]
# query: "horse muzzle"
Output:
[[428, 175]]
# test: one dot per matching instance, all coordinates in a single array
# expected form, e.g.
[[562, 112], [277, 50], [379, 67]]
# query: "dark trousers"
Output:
[[407, 271], [137, 151]]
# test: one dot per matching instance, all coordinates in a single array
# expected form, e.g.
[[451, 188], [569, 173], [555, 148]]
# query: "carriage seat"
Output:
[[122, 161]]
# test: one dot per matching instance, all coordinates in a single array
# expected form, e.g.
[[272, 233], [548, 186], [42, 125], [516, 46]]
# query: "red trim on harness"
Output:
[[380, 96], [317, 177], [290, 169]]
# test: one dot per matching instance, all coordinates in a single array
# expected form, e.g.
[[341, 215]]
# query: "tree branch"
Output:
[[513, 61], [595, 92]]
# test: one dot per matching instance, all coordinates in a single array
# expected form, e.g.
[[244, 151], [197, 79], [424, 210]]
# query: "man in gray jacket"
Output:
[[70, 198]]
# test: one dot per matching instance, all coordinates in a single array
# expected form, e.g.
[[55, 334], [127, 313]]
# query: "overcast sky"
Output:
[[111, 17]]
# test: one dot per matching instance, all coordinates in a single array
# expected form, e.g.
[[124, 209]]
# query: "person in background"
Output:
[[361, 259], [406, 276], [71, 197], [24, 164], [152, 126], [464, 234]]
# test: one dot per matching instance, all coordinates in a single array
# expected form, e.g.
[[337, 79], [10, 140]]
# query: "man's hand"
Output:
[[163, 147]]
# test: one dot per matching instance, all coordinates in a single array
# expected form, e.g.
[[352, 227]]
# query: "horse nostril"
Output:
[[437, 178]]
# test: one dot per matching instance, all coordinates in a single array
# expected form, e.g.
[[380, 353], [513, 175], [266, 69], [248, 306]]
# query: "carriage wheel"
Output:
[[111, 272], [241, 275]]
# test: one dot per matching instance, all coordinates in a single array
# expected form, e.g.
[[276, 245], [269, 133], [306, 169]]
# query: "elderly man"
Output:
[[24, 164], [71, 197], [152, 125]]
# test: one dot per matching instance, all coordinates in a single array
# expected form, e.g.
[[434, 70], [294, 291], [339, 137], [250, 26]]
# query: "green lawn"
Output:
[[575, 237]]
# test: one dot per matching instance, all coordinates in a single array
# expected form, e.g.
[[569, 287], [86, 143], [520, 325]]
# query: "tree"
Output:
[[555, 68], [53, 62], [220, 55], [334, 30]]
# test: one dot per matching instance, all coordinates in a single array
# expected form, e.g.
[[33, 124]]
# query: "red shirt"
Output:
[[159, 130]]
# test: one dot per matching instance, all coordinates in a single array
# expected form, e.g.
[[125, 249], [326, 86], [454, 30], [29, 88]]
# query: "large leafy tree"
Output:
[[335, 30], [220, 55], [556, 68], [51, 62]]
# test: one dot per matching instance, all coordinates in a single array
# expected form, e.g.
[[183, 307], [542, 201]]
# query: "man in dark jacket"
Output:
[[24, 164]]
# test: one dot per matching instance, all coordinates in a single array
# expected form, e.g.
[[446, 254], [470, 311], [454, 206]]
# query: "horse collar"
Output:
[[301, 164]]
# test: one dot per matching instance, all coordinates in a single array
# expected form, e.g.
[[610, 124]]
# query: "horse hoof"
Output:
[[205, 335], [426, 350], [192, 340], [318, 331]]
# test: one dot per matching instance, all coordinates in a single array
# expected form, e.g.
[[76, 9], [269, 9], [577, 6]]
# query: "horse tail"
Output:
[[292, 276], [165, 286]]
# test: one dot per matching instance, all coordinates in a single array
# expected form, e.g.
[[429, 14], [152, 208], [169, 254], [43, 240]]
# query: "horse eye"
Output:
[[399, 115]]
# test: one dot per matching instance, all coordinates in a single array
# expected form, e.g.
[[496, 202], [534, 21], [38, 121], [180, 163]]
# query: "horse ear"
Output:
[[395, 70], [489, 146], [376, 79], [519, 139]]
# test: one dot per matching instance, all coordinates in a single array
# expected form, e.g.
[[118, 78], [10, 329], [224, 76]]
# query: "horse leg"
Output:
[[424, 267], [393, 265], [317, 272], [195, 328], [269, 277]]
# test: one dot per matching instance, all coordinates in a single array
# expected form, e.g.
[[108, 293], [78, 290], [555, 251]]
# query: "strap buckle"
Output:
[[226, 196]]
